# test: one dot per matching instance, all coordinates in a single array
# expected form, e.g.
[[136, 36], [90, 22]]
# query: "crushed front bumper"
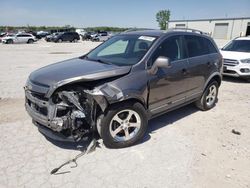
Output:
[[43, 115]]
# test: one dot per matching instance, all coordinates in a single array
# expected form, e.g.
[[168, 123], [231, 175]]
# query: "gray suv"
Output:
[[118, 86]]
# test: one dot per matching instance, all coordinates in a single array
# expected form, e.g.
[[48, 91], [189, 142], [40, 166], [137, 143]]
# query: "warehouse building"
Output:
[[220, 29]]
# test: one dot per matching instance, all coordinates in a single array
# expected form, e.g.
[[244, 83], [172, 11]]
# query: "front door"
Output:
[[169, 85]]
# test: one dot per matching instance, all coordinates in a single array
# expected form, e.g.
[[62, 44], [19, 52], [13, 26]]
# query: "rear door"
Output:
[[169, 86], [19, 38], [199, 64]]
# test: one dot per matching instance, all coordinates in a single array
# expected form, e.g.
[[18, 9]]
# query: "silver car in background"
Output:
[[19, 38]]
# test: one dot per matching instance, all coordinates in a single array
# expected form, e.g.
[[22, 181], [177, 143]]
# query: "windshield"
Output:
[[122, 50], [238, 46]]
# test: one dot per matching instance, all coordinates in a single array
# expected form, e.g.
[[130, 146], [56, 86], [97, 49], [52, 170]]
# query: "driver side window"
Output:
[[171, 48]]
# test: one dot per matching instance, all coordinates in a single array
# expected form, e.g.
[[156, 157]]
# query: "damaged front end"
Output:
[[68, 115]]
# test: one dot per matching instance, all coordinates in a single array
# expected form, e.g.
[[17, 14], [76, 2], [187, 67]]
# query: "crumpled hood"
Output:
[[235, 55], [74, 70]]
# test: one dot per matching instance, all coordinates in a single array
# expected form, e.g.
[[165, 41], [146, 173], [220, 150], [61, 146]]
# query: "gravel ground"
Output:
[[184, 148]]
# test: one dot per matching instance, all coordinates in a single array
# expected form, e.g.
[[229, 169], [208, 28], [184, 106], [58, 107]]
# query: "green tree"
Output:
[[162, 17]]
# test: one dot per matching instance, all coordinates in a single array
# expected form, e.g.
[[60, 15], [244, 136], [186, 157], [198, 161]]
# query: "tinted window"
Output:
[[196, 46], [210, 46], [238, 46], [171, 48]]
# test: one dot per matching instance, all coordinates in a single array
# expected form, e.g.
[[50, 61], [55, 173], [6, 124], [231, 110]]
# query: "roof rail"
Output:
[[188, 29], [136, 29]]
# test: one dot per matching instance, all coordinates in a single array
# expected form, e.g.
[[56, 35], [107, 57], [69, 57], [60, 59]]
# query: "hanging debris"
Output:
[[90, 148]]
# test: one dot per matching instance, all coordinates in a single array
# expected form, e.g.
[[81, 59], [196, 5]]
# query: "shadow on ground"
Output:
[[235, 80], [167, 119]]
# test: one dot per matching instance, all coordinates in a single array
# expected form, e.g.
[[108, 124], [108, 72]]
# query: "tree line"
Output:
[[162, 17], [49, 28]]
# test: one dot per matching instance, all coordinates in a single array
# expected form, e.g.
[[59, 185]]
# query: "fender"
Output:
[[211, 77]]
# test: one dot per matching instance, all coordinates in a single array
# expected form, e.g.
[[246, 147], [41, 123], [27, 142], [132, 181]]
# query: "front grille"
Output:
[[230, 62], [37, 102], [230, 72], [41, 110], [40, 96]]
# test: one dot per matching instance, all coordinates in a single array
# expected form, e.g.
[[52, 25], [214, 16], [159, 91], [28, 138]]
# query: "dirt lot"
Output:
[[184, 148]]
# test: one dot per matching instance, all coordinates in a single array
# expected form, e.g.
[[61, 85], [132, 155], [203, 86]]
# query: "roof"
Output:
[[158, 33], [151, 32], [211, 19]]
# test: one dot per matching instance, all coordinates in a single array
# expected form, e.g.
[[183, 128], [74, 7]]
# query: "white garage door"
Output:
[[220, 30]]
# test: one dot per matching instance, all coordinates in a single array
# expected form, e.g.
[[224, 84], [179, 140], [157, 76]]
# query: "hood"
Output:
[[75, 70], [235, 55]]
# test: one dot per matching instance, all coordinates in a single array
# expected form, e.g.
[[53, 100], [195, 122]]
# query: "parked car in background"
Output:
[[2, 35], [87, 36], [48, 38], [41, 34], [19, 38], [81, 32], [117, 87], [236, 55], [101, 37], [66, 36]]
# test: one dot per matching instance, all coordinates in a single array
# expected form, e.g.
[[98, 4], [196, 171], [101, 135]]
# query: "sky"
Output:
[[130, 13]]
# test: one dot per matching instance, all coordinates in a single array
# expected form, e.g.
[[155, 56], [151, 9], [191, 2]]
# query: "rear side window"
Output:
[[196, 46]]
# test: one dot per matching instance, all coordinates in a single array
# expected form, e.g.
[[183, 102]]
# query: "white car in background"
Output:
[[236, 56], [19, 38]]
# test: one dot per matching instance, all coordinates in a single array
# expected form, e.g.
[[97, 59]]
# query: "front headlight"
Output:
[[245, 61]]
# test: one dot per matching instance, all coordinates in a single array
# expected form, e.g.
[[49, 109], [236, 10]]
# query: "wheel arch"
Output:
[[215, 76]]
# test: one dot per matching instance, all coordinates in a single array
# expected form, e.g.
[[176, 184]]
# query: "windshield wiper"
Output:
[[99, 60]]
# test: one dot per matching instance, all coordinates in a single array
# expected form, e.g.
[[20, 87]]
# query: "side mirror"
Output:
[[160, 62]]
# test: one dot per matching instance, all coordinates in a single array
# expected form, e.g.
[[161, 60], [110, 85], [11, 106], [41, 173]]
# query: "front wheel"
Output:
[[209, 97], [10, 41], [123, 125]]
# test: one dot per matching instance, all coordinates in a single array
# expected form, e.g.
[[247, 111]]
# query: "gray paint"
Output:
[[167, 89]]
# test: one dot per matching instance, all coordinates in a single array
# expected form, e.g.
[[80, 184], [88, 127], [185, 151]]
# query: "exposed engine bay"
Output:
[[70, 112]]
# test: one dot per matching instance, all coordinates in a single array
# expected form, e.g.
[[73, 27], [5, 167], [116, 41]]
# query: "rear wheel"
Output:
[[209, 97], [123, 125], [30, 41], [75, 40]]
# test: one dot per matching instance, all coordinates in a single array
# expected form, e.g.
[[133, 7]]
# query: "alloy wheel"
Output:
[[125, 125]]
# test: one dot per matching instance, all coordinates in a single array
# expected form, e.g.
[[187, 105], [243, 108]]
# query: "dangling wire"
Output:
[[91, 147]]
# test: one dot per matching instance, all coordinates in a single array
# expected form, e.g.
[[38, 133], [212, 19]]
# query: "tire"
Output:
[[75, 40], [30, 41], [209, 96], [59, 40], [122, 118], [10, 41]]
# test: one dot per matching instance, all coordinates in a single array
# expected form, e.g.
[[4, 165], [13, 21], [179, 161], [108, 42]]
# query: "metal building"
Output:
[[221, 28]]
